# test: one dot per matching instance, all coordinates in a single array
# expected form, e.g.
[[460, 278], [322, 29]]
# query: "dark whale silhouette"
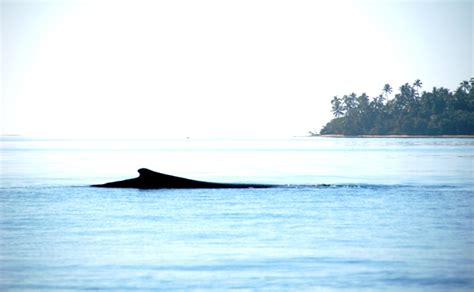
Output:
[[154, 180]]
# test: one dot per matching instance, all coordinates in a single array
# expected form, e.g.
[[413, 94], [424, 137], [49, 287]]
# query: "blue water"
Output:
[[397, 214]]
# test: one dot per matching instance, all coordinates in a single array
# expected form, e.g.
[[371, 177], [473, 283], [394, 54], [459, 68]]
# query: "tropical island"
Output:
[[439, 112]]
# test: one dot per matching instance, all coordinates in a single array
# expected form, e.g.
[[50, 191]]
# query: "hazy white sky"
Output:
[[254, 68]]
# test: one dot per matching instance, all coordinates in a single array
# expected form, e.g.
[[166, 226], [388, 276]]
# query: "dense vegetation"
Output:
[[409, 112]]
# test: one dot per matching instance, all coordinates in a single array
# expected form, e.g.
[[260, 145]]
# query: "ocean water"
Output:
[[392, 214]]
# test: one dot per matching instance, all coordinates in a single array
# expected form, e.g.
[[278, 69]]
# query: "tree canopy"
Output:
[[409, 112]]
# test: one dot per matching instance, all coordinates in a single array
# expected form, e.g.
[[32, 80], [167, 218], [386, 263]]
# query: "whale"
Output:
[[149, 179]]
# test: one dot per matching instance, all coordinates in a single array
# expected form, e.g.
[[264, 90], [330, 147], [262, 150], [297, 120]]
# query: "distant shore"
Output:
[[392, 136]]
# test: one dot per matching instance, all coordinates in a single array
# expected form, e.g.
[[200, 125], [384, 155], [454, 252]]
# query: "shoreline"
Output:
[[392, 136]]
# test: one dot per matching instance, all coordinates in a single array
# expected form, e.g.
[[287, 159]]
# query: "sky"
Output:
[[211, 69]]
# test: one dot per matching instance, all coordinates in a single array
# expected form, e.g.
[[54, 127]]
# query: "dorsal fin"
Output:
[[146, 172]]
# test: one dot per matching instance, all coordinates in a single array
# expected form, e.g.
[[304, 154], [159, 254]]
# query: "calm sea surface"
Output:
[[397, 214]]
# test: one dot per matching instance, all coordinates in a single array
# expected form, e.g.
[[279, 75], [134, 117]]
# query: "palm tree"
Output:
[[363, 102], [406, 96], [349, 102], [387, 89], [336, 107], [464, 85], [407, 90], [417, 84], [378, 102]]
